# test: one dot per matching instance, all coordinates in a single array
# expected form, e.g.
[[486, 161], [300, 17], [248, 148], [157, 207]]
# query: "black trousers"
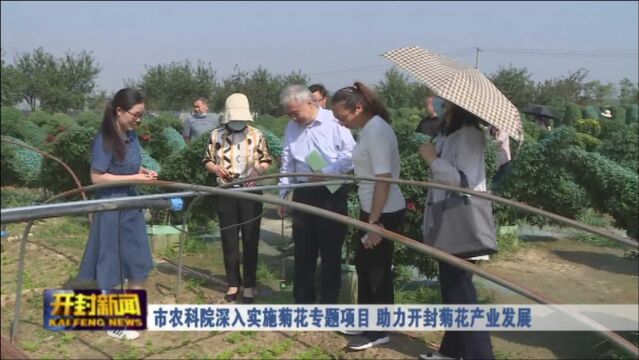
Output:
[[315, 236], [233, 211], [374, 266], [457, 288]]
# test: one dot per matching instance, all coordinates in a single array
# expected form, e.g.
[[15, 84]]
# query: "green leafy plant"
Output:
[[588, 126], [20, 166]]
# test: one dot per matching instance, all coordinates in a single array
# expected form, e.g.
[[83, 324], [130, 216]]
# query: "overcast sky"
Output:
[[334, 42]]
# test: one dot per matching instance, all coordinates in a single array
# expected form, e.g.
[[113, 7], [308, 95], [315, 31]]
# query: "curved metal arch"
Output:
[[438, 254]]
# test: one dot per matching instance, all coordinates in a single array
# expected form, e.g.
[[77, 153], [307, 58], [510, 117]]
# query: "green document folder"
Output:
[[316, 161]]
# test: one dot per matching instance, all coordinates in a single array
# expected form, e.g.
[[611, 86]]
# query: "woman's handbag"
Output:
[[463, 225]]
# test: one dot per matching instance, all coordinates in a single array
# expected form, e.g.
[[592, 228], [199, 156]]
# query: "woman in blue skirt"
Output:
[[118, 246]]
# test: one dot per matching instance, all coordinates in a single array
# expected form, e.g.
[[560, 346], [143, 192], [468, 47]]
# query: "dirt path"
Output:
[[564, 270]]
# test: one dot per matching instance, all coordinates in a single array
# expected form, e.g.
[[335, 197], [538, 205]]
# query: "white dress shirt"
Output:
[[326, 135]]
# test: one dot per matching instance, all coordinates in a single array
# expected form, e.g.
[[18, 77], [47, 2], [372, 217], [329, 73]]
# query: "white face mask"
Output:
[[236, 126]]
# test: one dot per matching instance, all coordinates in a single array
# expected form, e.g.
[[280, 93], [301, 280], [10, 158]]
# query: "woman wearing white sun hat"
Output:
[[238, 151]]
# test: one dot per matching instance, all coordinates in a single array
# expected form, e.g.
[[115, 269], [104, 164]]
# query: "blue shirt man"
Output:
[[200, 122]]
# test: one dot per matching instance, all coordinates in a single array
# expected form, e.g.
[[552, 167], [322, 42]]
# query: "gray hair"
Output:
[[295, 92]]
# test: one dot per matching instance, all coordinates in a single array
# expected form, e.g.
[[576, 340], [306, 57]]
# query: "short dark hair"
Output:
[[206, 102], [318, 88]]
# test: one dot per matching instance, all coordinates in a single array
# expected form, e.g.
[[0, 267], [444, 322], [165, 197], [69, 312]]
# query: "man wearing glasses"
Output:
[[201, 122]]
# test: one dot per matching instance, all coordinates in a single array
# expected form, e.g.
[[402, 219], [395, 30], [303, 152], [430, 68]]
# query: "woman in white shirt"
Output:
[[461, 147], [382, 203]]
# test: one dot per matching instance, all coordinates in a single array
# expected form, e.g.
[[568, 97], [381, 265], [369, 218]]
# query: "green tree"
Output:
[[56, 85], [628, 92], [516, 84], [595, 91], [395, 89], [35, 72], [176, 85], [261, 87], [569, 89], [10, 93]]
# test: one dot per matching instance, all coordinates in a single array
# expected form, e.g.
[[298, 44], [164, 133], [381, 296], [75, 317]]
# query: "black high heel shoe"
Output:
[[231, 297]]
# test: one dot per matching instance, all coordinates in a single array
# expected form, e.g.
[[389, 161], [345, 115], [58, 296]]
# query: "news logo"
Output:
[[95, 309]]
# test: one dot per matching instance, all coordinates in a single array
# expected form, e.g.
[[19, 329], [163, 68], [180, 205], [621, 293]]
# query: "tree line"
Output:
[[67, 83]]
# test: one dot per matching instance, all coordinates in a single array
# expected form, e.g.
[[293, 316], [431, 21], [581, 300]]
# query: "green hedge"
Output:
[[535, 180], [622, 146], [74, 147], [590, 112], [613, 188], [588, 126], [588, 142], [20, 166], [150, 163], [186, 166], [632, 113], [572, 114]]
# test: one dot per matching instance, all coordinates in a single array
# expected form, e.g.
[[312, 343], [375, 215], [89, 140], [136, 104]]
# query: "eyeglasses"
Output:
[[136, 116]]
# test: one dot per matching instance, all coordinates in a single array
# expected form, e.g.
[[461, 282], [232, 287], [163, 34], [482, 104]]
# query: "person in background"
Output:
[[460, 147], [502, 140], [382, 203], [200, 122], [238, 151], [431, 123], [319, 94], [315, 131], [118, 247]]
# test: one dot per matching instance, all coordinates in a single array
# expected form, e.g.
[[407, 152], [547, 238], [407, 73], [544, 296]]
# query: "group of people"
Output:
[[237, 153]]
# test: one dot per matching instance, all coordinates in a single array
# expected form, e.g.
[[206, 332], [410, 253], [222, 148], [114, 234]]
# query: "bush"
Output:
[[150, 163], [18, 196], [40, 118], [590, 112], [275, 125], [20, 166], [609, 127], [623, 147], [89, 119], [9, 120], [588, 126], [613, 188], [186, 166], [275, 144], [16, 126], [166, 119], [632, 113], [618, 113], [572, 114], [74, 147], [532, 131], [535, 180], [57, 123], [588, 142], [174, 139]]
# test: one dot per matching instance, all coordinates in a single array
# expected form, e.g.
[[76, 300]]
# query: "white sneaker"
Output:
[[351, 332], [368, 343], [434, 356], [123, 334]]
